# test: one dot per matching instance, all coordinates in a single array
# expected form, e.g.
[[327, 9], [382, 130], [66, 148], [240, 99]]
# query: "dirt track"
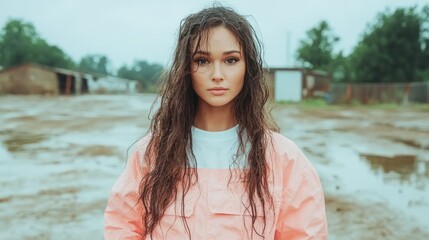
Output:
[[59, 157]]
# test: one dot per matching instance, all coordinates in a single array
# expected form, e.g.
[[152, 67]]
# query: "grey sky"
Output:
[[126, 30]]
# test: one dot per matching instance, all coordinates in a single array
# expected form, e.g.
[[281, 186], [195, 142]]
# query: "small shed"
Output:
[[295, 84], [38, 79]]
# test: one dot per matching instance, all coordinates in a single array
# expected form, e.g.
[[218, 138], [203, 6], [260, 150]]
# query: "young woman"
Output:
[[212, 166]]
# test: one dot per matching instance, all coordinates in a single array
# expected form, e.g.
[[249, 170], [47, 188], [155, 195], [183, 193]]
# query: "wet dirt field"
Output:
[[59, 157]]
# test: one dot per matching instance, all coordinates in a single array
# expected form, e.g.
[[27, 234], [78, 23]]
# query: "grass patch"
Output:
[[308, 103], [420, 107], [320, 103]]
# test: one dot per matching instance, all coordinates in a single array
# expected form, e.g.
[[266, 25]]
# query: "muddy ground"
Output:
[[59, 157]]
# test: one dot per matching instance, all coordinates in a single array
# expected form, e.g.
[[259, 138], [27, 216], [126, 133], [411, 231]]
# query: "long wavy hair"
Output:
[[171, 167]]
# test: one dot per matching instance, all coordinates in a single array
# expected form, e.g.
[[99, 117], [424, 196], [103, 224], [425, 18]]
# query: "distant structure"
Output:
[[296, 84], [381, 92], [38, 79]]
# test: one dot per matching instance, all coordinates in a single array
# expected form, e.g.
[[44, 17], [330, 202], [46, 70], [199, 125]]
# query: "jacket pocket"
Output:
[[225, 202]]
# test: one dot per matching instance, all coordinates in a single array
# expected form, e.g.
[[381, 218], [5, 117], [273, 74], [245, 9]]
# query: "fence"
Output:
[[400, 93]]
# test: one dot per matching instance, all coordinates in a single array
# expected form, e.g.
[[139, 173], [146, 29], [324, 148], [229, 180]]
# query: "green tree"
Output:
[[390, 50], [340, 67], [20, 43], [51, 55], [423, 71], [95, 63], [142, 71], [316, 51], [16, 39]]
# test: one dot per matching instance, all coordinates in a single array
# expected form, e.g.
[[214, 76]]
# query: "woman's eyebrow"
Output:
[[224, 53], [202, 52], [231, 52]]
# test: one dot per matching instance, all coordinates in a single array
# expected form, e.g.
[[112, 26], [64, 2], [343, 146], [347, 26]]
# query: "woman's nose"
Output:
[[217, 74]]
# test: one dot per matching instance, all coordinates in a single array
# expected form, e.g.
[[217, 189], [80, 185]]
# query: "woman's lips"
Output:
[[218, 91]]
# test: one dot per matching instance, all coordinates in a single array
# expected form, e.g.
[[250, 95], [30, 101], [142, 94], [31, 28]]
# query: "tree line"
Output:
[[20, 43], [393, 49]]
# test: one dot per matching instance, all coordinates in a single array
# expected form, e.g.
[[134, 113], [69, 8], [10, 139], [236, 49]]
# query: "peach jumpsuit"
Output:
[[216, 210]]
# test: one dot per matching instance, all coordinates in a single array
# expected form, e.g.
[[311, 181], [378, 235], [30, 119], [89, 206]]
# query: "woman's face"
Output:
[[218, 69]]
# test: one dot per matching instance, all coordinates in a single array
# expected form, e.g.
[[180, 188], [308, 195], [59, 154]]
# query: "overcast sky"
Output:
[[126, 30]]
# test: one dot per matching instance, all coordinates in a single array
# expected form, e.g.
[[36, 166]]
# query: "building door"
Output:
[[287, 86]]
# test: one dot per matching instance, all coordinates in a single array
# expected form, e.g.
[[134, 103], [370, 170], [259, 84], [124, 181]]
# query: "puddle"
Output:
[[404, 165], [399, 181], [405, 168], [17, 142]]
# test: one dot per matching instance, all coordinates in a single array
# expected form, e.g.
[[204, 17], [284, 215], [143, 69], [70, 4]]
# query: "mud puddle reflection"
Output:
[[401, 180]]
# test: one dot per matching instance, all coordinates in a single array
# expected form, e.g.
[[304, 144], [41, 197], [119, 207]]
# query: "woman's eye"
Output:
[[201, 61], [231, 61]]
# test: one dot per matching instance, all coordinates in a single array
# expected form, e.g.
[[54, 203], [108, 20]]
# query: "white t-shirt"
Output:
[[216, 150]]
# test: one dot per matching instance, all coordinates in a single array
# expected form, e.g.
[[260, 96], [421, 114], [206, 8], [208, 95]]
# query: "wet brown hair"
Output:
[[169, 152]]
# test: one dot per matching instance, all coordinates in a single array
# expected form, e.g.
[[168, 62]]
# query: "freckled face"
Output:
[[218, 69]]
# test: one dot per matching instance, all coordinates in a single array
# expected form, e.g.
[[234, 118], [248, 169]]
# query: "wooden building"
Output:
[[295, 84], [44, 80]]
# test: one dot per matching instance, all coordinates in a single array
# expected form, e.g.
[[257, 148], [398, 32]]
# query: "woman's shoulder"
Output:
[[280, 141], [141, 143], [285, 148], [137, 150]]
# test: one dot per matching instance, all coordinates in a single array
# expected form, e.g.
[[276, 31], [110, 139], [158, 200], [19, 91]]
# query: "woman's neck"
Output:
[[214, 119]]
